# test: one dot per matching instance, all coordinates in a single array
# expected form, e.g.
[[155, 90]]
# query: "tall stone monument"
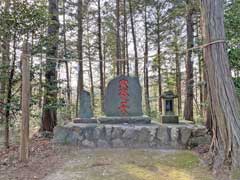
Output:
[[123, 101]]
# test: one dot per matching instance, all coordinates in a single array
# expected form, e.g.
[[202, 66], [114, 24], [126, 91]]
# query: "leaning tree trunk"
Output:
[[223, 98], [49, 116], [134, 37], [188, 105]]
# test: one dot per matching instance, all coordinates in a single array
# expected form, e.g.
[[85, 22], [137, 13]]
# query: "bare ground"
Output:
[[49, 162]]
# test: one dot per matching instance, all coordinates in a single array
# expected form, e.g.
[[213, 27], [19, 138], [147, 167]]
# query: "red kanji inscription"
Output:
[[123, 93]]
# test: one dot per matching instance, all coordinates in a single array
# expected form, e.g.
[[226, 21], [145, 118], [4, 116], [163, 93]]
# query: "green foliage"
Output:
[[22, 18], [232, 25], [237, 84]]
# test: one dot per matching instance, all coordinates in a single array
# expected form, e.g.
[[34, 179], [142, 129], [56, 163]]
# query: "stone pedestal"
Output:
[[154, 135], [169, 119]]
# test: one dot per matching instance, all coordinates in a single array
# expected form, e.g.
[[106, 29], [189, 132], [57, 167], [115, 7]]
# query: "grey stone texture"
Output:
[[125, 119], [112, 99], [85, 109], [175, 136], [169, 119]]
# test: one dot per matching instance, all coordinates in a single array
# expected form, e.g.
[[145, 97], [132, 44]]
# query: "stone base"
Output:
[[85, 120], [172, 119], [125, 120], [178, 136]]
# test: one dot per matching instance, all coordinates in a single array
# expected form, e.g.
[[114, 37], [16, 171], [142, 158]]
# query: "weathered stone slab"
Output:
[[126, 119], [123, 97], [85, 109]]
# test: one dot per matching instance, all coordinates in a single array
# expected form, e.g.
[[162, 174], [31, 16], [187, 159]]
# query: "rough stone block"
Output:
[[169, 119]]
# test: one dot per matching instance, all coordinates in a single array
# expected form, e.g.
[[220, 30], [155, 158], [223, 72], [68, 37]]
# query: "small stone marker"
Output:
[[123, 97], [85, 109]]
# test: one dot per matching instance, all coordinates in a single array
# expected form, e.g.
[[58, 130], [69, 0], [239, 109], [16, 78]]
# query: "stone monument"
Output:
[[168, 115], [123, 102], [85, 113]]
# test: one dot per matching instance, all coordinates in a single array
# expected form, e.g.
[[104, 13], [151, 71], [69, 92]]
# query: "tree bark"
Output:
[[146, 83], [80, 84], [188, 107], [100, 54], [126, 62], [5, 48], [24, 150], [49, 116], [224, 104], [118, 40], [134, 38], [66, 62], [159, 62]]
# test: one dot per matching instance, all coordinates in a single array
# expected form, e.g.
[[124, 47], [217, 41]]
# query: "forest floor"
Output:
[[51, 162]]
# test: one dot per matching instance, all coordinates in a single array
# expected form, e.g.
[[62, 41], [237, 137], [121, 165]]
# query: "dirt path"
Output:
[[125, 164]]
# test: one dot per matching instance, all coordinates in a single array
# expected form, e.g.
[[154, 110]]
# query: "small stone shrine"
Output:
[[168, 114]]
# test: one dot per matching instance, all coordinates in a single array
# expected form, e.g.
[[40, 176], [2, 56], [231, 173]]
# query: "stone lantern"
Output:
[[168, 114]]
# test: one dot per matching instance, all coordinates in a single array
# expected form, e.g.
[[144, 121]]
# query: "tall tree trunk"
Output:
[[134, 38], [159, 62], [49, 116], [100, 53], [90, 66], [178, 76], [5, 48], [125, 30], [24, 149], [9, 92], [118, 40], [224, 103], [40, 90], [80, 84], [146, 83], [188, 106], [66, 62]]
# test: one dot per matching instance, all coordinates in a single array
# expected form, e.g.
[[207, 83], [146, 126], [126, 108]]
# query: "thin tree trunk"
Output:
[[188, 107], [90, 66], [49, 116], [9, 93], [178, 79], [100, 54], [224, 103], [159, 63], [125, 30], [66, 62], [118, 40], [24, 155], [80, 54], [134, 38], [146, 83], [40, 80]]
